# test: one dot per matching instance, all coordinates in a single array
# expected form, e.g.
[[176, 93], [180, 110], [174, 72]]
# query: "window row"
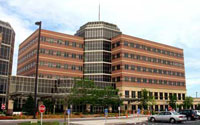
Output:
[[61, 42], [148, 48], [4, 68], [97, 56], [156, 95], [26, 67], [96, 33], [28, 45], [98, 77], [52, 76], [150, 70], [98, 45], [7, 37], [147, 80], [148, 59], [59, 53], [62, 66], [27, 56], [97, 68], [4, 52]]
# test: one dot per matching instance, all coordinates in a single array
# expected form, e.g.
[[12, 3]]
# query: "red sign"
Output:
[[170, 108], [42, 108], [3, 106]]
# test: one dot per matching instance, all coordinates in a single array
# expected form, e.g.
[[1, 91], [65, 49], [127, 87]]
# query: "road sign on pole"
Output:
[[119, 110], [138, 111], [42, 109], [68, 113], [3, 106], [106, 114]]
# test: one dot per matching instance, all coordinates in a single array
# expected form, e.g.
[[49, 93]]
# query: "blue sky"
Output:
[[172, 22]]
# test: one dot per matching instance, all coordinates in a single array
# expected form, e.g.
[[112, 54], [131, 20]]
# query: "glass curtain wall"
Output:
[[7, 35], [97, 49]]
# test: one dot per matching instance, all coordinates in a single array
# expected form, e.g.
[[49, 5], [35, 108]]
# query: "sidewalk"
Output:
[[121, 120]]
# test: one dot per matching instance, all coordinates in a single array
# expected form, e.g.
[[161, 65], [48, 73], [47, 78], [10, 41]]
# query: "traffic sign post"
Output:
[[119, 110], [106, 114], [68, 113], [138, 112], [3, 106], [42, 109]]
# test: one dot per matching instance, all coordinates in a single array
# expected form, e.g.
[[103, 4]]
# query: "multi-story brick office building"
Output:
[[109, 57], [7, 38], [139, 64], [61, 55]]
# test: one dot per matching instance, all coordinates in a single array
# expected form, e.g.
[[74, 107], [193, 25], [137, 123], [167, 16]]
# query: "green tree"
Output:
[[29, 106], [146, 100], [187, 103], [172, 101], [86, 92], [198, 106], [49, 105]]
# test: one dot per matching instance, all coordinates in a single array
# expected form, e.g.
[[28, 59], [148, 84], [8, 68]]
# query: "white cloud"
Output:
[[170, 22]]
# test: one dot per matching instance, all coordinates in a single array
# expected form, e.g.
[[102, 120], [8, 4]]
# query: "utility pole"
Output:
[[37, 62]]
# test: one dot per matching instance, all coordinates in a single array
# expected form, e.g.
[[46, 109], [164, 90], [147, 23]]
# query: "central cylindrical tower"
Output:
[[97, 49]]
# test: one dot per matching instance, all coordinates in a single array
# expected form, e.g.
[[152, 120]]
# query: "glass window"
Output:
[[65, 66], [126, 67], [132, 56], [126, 79], [59, 42], [73, 55], [138, 68], [156, 95], [50, 52], [118, 44], [139, 80], [125, 43], [66, 54], [58, 65], [132, 45], [73, 67], [67, 43], [126, 94], [58, 53], [118, 67], [139, 94], [80, 45], [132, 67], [118, 55], [166, 96], [126, 55], [132, 79], [74, 44], [42, 51], [133, 94]]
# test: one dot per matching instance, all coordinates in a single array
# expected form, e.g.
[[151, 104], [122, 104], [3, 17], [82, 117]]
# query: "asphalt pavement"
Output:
[[193, 122]]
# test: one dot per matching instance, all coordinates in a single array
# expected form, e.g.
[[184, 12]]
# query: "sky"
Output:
[[171, 22]]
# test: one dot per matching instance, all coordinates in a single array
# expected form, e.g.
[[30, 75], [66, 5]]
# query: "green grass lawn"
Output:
[[44, 123]]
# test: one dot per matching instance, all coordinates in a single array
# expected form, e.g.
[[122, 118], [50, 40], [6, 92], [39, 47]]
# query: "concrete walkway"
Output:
[[130, 120]]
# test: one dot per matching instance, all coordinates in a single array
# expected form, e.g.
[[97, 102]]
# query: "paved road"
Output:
[[195, 122]]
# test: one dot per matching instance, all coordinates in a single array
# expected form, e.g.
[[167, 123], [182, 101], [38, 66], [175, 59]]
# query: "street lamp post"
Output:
[[37, 61]]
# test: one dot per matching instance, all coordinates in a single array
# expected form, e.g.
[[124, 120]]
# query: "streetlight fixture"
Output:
[[37, 61]]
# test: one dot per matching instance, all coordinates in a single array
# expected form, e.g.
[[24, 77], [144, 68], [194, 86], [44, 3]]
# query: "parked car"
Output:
[[197, 113], [190, 114], [168, 116]]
